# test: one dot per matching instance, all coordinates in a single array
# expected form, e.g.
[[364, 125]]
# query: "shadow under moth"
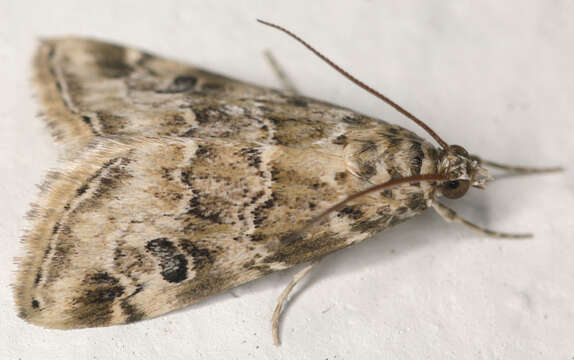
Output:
[[178, 184]]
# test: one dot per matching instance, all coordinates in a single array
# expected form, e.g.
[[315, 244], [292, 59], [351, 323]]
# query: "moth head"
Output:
[[462, 170]]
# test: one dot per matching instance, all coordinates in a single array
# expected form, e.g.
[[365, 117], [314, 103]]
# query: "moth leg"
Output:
[[522, 170], [451, 216], [281, 300], [281, 75]]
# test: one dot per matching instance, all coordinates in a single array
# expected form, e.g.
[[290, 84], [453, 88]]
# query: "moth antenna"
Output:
[[385, 185], [361, 84]]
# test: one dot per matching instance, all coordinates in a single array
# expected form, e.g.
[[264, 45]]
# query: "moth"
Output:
[[179, 184]]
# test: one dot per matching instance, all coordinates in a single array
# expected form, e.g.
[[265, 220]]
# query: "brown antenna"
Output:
[[361, 84]]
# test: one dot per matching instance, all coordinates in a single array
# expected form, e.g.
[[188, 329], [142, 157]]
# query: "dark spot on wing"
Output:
[[340, 140], [374, 226], [259, 213], [38, 278], [395, 141], [252, 155], [201, 256], [417, 159], [296, 248], [190, 133], [202, 151], [111, 60], [290, 238], [416, 202], [275, 173], [205, 114], [111, 123], [368, 146], [258, 237], [180, 84], [297, 102], [56, 228], [249, 264], [367, 170], [341, 177], [82, 189], [213, 86], [88, 121], [173, 264], [131, 311], [94, 305], [204, 210], [356, 119], [353, 212]]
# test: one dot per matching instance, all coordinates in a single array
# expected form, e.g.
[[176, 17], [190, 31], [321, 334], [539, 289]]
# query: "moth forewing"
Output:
[[138, 227]]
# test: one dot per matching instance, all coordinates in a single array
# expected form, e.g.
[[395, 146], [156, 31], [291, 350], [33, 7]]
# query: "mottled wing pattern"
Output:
[[139, 227], [187, 183], [92, 88]]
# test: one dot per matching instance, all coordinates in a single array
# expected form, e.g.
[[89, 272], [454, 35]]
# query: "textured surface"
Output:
[[182, 184], [490, 77]]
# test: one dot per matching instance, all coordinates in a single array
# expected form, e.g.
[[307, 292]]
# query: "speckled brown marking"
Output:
[[355, 120], [186, 183], [252, 155], [110, 60], [367, 170], [354, 212], [132, 261], [97, 294], [181, 83], [290, 130], [416, 202], [205, 114], [201, 256], [261, 212], [341, 177], [306, 249], [417, 160], [368, 146], [131, 312], [205, 208], [340, 140], [173, 264], [111, 123], [297, 101], [372, 226], [202, 151]]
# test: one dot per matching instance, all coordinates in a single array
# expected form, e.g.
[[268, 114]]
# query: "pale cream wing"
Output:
[[89, 88], [138, 227]]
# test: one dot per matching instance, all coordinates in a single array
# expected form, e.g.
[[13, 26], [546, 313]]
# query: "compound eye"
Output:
[[455, 189]]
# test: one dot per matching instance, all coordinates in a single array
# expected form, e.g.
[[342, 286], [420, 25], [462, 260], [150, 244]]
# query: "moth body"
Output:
[[181, 184]]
